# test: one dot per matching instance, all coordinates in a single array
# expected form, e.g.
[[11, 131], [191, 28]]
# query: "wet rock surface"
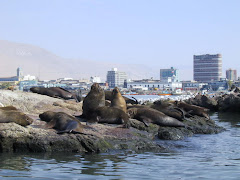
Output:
[[95, 138]]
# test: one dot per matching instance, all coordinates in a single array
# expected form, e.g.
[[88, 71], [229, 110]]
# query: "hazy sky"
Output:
[[157, 33]]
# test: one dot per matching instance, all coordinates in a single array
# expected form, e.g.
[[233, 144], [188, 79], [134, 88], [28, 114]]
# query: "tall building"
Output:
[[116, 78], [207, 67], [171, 75], [19, 74], [231, 74]]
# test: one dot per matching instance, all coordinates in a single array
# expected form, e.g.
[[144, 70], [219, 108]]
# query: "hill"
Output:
[[46, 65]]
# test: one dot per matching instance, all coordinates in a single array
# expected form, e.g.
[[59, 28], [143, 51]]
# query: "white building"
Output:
[[172, 86], [29, 78], [116, 78], [95, 79]]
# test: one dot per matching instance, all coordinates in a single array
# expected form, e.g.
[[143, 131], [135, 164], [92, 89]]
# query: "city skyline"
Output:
[[157, 33]]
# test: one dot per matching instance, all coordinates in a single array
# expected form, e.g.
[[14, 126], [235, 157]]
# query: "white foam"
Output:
[[151, 98]]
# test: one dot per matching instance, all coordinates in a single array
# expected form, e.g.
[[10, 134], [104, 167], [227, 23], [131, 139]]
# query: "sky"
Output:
[[156, 33]]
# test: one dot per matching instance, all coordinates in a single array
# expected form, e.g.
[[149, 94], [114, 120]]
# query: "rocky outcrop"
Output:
[[99, 137], [34, 104], [204, 101], [229, 102], [95, 137]]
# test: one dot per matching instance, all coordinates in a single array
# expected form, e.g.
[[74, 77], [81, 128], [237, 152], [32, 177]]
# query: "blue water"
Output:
[[200, 157]]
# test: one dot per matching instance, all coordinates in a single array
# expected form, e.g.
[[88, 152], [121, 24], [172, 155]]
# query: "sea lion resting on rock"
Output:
[[193, 109], [149, 115], [94, 99], [11, 114], [110, 115], [168, 108], [56, 92], [118, 101], [62, 122]]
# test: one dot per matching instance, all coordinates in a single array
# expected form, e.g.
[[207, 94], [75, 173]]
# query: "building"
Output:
[[207, 67], [193, 86], [146, 84], [29, 78], [26, 85], [116, 78], [95, 79], [231, 74], [221, 85], [13, 78], [169, 75]]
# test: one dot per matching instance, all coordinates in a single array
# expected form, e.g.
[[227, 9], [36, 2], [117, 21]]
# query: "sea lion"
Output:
[[62, 122], [110, 115], [55, 92], [8, 115], [118, 101], [108, 96], [149, 115], [170, 109], [94, 99], [193, 109]]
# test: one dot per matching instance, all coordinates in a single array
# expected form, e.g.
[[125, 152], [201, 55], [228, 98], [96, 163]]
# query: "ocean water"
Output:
[[214, 156]]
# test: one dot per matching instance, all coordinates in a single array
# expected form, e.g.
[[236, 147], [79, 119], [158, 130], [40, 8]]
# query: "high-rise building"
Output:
[[207, 67], [19, 74], [171, 75], [116, 78], [231, 74]]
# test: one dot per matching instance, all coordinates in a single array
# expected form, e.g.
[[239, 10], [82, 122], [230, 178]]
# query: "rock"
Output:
[[34, 104], [204, 101], [229, 102], [96, 137]]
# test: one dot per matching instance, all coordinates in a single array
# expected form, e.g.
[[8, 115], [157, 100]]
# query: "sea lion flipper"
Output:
[[180, 110], [50, 124], [146, 124], [145, 120]]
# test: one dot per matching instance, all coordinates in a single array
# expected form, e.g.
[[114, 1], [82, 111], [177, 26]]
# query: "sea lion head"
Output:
[[96, 88], [177, 103], [131, 112], [35, 89], [47, 116], [24, 119], [115, 91]]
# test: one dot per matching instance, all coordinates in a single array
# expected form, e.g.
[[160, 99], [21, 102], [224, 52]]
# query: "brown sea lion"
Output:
[[149, 115], [118, 101], [170, 109], [62, 122], [12, 115], [55, 92], [110, 115], [108, 96], [193, 109], [94, 99]]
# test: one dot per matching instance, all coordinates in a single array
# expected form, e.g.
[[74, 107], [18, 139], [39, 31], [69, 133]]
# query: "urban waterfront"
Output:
[[199, 157]]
